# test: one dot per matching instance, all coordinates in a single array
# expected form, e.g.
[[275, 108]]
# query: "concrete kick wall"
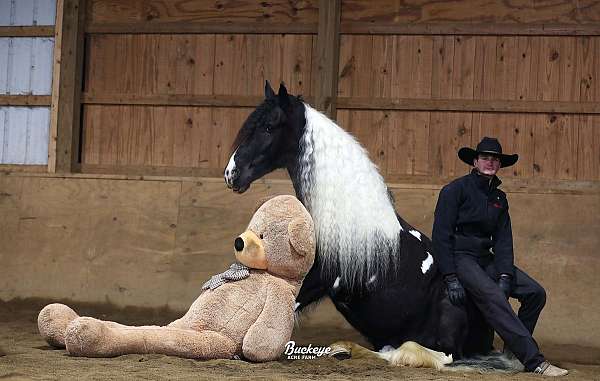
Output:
[[154, 243]]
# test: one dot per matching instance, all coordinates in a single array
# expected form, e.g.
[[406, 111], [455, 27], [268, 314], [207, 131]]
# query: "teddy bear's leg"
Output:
[[90, 337], [52, 323]]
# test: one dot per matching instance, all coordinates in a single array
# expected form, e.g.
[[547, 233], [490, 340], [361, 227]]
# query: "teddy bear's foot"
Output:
[[89, 337], [52, 323]]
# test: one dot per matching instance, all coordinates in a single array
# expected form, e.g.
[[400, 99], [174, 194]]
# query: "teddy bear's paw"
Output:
[[86, 336], [52, 323]]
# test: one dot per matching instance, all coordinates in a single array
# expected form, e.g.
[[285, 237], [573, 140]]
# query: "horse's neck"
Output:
[[294, 172], [331, 159]]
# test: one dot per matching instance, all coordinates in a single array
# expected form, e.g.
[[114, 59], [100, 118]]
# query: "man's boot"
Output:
[[547, 369]]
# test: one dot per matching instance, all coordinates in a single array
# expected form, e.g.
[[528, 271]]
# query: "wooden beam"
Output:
[[465, 105], [166, 171], [149, 170], [19, 168], [27, 31], [25, 100], [186, 27], [469, 105], [493, 29], [511, 184], [174, 100], [63, 147], [327, 56]]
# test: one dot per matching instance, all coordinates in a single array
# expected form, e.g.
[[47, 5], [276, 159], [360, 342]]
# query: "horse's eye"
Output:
[[270, 128]]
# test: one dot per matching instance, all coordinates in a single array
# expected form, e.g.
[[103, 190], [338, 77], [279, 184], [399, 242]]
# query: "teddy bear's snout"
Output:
[[249, 250]]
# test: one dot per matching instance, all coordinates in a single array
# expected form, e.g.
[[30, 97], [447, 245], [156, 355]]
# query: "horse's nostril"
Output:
[[239, 244]]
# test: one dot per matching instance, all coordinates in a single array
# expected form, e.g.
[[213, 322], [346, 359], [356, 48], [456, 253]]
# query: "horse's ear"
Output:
[[284, 99], [269, 93]]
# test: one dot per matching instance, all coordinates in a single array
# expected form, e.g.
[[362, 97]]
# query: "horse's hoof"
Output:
[[340, 351]]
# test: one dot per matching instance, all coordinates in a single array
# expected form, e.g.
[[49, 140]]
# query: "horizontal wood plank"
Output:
[[469, 105], [149, 170], [353, 103], [27, 31], [196, 28], [174, 100], [25, 100], [453, 28], [471, 11], [12, 168], [165, 172], [111, 172], [202, 11]]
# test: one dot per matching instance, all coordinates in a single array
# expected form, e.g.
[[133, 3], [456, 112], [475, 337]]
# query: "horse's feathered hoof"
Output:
[[340, 351]]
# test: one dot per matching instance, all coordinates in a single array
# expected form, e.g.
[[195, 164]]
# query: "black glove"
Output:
[[456, 292], [505, 284]]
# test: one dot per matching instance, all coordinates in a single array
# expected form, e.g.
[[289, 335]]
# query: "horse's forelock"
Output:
[[257, 117], [252, 123]]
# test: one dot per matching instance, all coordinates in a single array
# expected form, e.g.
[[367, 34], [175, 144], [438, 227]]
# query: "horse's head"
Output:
[[268, 139]]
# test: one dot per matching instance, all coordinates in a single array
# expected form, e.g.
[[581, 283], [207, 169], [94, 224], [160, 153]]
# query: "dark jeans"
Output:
[[477, 275]]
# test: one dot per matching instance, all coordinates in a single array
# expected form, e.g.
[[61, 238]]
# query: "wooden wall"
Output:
[[464, 80], [527, 72], [168, 83], [153, 243], [151, 67], [165, 93]]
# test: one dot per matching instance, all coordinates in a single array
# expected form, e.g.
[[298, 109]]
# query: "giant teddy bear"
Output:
[[245, 312]]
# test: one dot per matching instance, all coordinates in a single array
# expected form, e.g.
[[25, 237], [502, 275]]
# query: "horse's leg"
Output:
[[313, 288], [453, 328], [480, 339], [343, 350], [408, 354]]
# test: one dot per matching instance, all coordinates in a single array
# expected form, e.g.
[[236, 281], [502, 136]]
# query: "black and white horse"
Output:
[[377, 269]]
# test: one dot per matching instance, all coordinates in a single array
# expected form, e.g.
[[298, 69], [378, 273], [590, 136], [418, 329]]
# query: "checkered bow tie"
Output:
[[235, 272]]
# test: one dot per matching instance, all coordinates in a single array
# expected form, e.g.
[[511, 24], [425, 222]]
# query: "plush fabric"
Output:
[[251, 317]]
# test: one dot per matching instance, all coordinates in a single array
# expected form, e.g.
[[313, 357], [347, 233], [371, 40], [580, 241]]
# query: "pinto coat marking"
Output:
[[389, 288]]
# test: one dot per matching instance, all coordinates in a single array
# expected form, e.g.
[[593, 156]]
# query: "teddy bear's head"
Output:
[[280, 238]]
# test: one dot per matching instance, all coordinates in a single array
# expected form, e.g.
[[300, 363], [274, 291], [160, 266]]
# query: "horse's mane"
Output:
[[355, 221]]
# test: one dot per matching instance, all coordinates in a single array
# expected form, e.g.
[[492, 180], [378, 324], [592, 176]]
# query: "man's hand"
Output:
[[456, 292], [505, 284]]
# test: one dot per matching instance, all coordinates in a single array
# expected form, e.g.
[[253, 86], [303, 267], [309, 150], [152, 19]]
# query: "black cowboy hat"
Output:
[[489, 146]]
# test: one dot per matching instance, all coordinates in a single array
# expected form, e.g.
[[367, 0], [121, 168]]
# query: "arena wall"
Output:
[[152, 242]]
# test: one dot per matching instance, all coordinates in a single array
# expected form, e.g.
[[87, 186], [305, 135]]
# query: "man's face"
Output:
[[487, 164]]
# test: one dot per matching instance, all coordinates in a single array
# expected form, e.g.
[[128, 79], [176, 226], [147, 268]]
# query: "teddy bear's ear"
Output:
[[260, 202], [302, 236]]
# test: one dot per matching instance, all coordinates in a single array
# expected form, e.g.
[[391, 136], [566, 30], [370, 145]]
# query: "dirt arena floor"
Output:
[[25, 356]]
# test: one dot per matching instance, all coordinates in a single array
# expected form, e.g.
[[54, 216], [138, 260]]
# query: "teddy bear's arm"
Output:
[[266, 338]]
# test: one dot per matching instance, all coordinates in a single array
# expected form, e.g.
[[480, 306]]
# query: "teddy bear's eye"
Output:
[[261, 236]]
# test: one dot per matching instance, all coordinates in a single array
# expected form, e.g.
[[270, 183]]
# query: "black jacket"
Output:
[[471, 216]]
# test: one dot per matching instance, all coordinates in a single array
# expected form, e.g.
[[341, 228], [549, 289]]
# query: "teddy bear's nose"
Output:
[[239, 244]]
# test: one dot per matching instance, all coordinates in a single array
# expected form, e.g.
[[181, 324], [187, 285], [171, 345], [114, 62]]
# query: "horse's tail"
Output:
[[494, 362], [417, 356]]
